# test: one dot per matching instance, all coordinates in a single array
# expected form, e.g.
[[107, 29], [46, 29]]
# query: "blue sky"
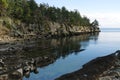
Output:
[[107, 12]]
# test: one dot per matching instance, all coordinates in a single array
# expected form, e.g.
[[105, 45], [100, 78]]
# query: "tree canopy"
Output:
[[29, 11], [3, 6], [95, 23]]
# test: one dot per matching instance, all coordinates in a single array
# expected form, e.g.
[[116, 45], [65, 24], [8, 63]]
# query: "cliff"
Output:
[[17, 29], [25, 19]]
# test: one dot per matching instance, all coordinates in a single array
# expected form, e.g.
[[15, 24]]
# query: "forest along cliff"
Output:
[[23, 22], [26, 19]]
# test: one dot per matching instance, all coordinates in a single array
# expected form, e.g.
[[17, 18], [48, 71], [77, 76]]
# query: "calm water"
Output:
[[71, 59]]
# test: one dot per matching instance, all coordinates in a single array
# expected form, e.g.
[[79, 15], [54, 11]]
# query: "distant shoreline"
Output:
[[109, 29]]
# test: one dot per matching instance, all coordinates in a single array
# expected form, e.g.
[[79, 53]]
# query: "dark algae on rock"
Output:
[[101, 68]]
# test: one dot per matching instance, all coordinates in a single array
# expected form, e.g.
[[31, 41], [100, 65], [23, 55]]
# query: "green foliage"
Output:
[[32, 5], [62, 15], [3, 3], [85, 21], [29, 12], [3, 6], [95, 23], [15, 8]]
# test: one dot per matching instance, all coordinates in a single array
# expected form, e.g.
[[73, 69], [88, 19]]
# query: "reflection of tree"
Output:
[[68, 45], [53, 49], [93, 36], [61, 47], [47, 51]]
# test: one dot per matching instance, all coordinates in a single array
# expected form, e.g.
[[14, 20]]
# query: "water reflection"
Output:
[[65, 46], [16, 64]]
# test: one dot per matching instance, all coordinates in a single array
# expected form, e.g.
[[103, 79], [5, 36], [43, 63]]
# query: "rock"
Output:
[[101, 68], [15, 75], [117, 53], [2, 65]]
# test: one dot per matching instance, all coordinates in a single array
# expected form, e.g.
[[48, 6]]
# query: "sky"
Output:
[[107, 12]]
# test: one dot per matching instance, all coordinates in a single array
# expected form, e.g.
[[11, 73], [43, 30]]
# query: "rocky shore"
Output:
[[20, 55], [11, 30], [19, 43], [42, 50], [101, 68]]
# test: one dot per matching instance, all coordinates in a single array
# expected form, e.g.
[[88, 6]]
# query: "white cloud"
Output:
[[111, 20]]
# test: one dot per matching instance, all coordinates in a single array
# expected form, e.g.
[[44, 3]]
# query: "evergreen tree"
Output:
[[95, 23], [28, 11], [33, 6], [3, 7]]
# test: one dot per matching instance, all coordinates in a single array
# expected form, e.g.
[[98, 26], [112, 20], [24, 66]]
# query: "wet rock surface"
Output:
[[15, 56], [101, 68]]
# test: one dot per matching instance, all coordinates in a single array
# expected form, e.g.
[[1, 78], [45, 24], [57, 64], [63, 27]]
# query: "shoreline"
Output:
[[17, 44], [18, 49], [101, 68], [6, 39]]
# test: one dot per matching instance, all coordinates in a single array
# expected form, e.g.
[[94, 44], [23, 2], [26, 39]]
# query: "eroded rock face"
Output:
[[57, 29], [50, 29], [101, 68]]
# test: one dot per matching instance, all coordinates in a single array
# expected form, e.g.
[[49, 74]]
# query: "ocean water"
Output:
[[71, 59]]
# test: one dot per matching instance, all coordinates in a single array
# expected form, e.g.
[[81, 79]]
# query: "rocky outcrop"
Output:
[[50, 29], [14, 29], [57, 29], [101, 68]]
